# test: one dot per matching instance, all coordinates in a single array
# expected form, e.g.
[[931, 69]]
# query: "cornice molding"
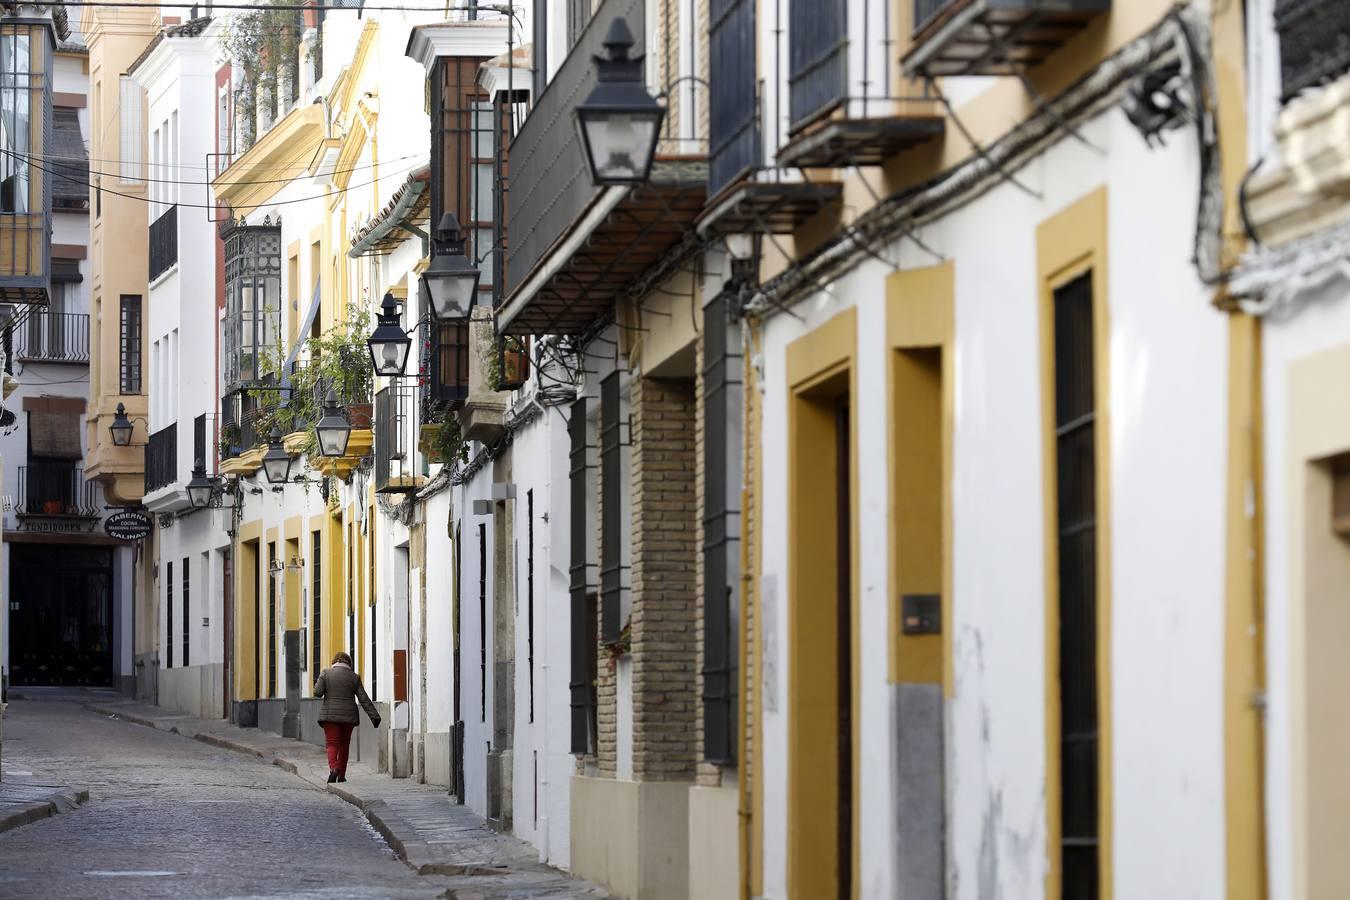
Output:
[[484, 39]]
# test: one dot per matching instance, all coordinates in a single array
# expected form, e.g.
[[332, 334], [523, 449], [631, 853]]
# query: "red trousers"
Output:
[[338, 738]]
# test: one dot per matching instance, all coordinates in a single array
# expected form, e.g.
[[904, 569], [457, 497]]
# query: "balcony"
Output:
[[576, 249], [393, 440], [161, 459], [993, 37], [56, 489], [1313, 45], [50, 337], [164, 242]]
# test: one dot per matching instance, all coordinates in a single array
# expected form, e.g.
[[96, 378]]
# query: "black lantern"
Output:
[[451, 280], [333, 429], [276, 461], [200, 488], [620, 121], [121, 426], [389, 343]]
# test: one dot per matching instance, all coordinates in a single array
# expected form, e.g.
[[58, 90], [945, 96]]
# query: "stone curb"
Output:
[[26, 814]]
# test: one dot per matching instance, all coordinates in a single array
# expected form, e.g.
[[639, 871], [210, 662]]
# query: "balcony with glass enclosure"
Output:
[[27, 43], [251, 327]]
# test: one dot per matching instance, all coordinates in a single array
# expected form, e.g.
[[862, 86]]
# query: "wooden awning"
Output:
[[617, 239]]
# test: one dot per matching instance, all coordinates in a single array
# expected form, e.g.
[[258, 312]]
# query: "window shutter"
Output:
[[54, 434], [611, 519], [817, 75], [131, 131], [732, 109]]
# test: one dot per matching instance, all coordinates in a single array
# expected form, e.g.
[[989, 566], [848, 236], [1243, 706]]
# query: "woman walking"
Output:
[[340, 687]]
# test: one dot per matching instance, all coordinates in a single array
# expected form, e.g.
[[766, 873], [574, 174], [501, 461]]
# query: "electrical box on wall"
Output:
[[921, 613]]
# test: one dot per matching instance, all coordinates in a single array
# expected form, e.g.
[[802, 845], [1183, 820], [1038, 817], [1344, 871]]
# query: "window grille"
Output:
[[252, 299], [611, 517], [271, 619], [482, 622], [187, 617], [529, 592], [129, 345], [316, 601], [1076, 480], [583, 613], [721, 527], [168, 612]]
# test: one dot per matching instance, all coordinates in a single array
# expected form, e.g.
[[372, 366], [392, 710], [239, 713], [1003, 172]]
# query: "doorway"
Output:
[[61, 615], [823, 689]]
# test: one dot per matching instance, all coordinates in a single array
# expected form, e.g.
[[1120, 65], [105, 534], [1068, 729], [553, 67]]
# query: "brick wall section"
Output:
[[664, 595]]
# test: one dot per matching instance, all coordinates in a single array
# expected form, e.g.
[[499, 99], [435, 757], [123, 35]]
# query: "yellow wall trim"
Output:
[[921, 314], [1069, 244], [821, 372]]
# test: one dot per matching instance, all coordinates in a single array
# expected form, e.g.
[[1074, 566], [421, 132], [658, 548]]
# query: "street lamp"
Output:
[[276, 461], [389, 343], [121, 426], [333, 429], [451, 280], [620, 121], [200, 488]]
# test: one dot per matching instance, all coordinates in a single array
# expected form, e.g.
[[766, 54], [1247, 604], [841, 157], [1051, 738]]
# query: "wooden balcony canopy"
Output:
[[992, 37], [612, 243]]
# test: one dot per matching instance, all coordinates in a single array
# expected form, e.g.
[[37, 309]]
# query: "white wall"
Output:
[[1167, 443], [1321, 321]]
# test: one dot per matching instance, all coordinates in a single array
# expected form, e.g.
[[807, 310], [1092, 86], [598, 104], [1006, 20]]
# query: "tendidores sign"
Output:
[[127, 525]]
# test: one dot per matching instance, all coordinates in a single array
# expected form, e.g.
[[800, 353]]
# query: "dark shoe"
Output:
[[332, 775], [342, 779]]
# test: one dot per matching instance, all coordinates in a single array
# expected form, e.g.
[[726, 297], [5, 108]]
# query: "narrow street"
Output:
[[171, 817]]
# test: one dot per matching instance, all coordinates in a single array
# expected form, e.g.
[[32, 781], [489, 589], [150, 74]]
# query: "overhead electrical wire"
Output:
[[290, 7], [208, 206], [74, 161]]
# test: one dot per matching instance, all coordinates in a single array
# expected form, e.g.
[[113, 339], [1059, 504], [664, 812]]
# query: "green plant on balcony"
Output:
[[265, 44], [442, 441], [231, 438]]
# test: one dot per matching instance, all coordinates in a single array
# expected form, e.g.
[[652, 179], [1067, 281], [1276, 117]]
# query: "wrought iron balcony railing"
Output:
[[393, 439], [164, 242], [161, 459], [56, 489], [1313, 45], [54, 337]]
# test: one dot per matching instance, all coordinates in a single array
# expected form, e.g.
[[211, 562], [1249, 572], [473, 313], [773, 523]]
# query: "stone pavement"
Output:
[[25, 798], [430, 833]]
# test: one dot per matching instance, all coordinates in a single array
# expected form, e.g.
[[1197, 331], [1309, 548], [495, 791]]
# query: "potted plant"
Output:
[[442, 441]]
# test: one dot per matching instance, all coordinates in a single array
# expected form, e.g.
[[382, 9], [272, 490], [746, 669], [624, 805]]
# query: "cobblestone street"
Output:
[[169, 817]]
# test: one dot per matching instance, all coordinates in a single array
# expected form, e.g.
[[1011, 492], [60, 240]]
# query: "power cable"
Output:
[[207, 206], [74, 161]]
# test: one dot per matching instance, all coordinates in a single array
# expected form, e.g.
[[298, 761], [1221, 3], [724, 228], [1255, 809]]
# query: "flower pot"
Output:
[[359, 414]]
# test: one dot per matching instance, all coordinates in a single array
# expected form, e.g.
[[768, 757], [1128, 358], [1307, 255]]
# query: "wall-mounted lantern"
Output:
[[620, 121], [389, 343]]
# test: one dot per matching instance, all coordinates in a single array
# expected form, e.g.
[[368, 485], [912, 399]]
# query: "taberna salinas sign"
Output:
[[127, 525]]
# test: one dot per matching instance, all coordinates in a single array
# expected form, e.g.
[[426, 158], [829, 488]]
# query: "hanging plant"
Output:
[[620, 646]]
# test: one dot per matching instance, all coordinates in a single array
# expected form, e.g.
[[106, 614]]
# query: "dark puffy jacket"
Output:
[[340, 689]]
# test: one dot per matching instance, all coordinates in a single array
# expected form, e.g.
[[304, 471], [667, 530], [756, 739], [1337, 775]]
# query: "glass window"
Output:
[[482, 129], [484, 252], [480, 201], [16, 109]]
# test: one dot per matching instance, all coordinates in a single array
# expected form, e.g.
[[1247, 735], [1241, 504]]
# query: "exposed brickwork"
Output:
[[663, 578]]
